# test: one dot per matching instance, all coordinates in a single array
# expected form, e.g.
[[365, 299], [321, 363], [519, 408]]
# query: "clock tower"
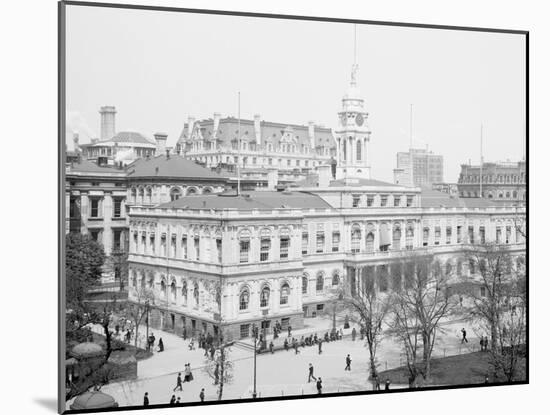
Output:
[[353, 134]]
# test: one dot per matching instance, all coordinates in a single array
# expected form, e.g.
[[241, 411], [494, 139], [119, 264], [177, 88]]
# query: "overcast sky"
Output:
[[158, 68]]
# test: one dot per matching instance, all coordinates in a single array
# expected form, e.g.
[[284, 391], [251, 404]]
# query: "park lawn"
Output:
[[464, 369]]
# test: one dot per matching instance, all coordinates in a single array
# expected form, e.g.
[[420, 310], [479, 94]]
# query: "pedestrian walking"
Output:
[[319, 386], [387, 387], [295, 344], [310, 376], [348, 363], [161, 345], [173, 400], [146, 399], [285, 344], [178, 383], [184, 334], [201, 395], [486, 343], [289, 330], [271, 347], [320, 346], [464, 339], [353, 334], [481, 343]]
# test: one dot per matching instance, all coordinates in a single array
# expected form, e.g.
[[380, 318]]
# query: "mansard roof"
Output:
[[175, 166]]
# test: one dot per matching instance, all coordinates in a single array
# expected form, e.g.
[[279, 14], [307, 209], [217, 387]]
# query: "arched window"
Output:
[[184, 293], [175, 193], [285, 293], [319, 282], [409, 237], [207, 190], [472, 264], [515, 194], [191, 191], [173, 291], [396, 240], [355, 238], [425, 236], [149, 195], [244, 299], [335, 279], [304, 284], [151, 281], [163, 288], [358, 150], [141, 193], [264, 297], [369, 242], [196, 294], [133, 194]]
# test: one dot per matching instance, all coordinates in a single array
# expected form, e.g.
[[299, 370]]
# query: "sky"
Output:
[[158, 68]]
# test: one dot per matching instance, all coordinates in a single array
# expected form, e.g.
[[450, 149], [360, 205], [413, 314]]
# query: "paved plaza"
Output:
[[278, 374]]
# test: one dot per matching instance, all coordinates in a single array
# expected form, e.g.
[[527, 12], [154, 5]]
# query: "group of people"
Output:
[[151, 343], [173, 400], [278, 328], [311, 340], [484, 343]]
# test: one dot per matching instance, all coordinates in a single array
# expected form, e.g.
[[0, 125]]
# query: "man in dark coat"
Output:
[[178, 383], [271, 347], [464, 339], [311, 374], [146, 399], [173, 400], [319, 386], [348, 363], [320, 346], [201, 395]]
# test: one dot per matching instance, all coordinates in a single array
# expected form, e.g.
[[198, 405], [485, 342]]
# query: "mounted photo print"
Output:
[[267, 207]]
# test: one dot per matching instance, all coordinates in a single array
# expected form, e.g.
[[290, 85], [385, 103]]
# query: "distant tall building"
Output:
[[503, 181], [418, 167]]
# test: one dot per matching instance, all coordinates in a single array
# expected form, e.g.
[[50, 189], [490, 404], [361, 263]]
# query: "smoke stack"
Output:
[[324, 175], [107, 122], [258, 129], [217, 117], [160, 139], [75, 141], [272, 178], [190, 124], [311, 133]]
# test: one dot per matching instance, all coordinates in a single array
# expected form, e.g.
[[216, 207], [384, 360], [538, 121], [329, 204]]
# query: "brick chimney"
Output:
[[258, 129], [107, 122], [190, 124], [311, 134], [216, 126], [160, 139]]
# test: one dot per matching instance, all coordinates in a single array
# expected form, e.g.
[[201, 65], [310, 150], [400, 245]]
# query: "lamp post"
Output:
[[255, 333], [147, 323]]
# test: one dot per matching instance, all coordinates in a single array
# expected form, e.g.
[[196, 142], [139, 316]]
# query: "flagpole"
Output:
[[239, 145], [481, 162]]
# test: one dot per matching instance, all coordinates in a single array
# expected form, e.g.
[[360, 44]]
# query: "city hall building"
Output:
[[230, 260]]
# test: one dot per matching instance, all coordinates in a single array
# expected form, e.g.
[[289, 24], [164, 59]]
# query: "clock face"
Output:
[[359, 120]]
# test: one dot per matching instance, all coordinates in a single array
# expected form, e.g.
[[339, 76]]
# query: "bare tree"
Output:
[[368, 309], [417, 310], [497, 303], [137, 307], [220, 369], [97, 372]]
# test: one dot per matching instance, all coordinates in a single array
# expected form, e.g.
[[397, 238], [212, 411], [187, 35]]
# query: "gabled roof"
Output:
[[124, 137], [250, 200], [433, 198], [86, 166], [175, 166]]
